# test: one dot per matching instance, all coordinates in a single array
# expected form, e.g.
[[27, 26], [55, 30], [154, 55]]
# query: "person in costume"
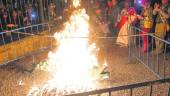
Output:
[[146, 25], [161, 24], [126, 17]]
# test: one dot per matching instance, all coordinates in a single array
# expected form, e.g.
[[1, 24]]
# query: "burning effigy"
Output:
[[73, 64]]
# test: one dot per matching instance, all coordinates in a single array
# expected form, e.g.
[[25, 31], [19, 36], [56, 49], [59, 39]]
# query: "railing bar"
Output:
[[136, 42], [124, 87], [152, 35], [131, 91], [169, 90], [139, 46], [3, 39], [42, 41], [26, 27], [160, 39], [4, 44], [151, 89], [129, 43], [13, 47], [33, 37], [152, 66], [20, 41], [157, 58], [99, 37], [1, 24], [147, 50], [110, 93], [164, 66]]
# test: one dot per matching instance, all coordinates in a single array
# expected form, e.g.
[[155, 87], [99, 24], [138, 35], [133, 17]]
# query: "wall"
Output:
[[25, 46]]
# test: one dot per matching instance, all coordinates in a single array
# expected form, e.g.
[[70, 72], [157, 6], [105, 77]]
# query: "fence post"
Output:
[[164, 66], [129, 44], [110, 93], [131, 92], [169, 89], [151, 90]]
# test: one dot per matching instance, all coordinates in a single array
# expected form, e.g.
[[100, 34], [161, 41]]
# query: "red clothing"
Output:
[[123, 20], [145, 40]]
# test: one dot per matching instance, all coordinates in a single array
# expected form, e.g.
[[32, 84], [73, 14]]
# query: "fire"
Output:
[[74, 59], [72, 64], [76, 3]]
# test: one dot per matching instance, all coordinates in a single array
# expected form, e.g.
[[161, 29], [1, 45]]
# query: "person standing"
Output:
[[146, 25], [51, 11], [113, 18], [127, 16], [160, 28], [166, 7]]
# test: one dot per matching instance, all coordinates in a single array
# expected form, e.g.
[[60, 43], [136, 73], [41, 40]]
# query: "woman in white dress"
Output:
[[126, 17]]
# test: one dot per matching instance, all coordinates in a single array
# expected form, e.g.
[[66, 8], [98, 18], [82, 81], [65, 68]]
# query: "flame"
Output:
[[72, 63], [74, 59], [76, 3]]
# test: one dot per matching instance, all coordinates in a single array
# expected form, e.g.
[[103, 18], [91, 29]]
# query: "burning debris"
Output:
[[42, 66], [73, 64]]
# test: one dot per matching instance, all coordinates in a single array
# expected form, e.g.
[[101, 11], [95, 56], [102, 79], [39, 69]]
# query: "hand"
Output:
[[157, 8]]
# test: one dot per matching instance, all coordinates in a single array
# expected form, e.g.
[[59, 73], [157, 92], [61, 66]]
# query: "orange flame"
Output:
[[72, 64], [74, 59], [76, 3]]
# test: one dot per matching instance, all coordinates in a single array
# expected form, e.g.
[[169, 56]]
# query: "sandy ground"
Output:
[[17, 78]]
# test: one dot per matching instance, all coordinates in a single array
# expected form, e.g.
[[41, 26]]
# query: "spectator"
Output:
[[51, 11], [126, 17], [14, 15], [113, 17], [160, 29], [146, 25], [166, 8], [5, 17]]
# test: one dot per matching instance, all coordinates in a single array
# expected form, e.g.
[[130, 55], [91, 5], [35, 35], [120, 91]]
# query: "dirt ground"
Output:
[[17, 78]]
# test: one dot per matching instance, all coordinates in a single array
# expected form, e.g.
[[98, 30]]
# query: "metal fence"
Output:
[[21, 13], [157, 62], [24, 42], [40, 40], [19, 33], [150, 88]]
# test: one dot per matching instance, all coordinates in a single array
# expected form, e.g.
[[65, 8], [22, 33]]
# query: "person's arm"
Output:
[[165, 15]]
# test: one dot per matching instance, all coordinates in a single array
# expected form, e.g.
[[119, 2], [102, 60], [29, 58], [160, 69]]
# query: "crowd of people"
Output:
[[20, 13], [151, 16]]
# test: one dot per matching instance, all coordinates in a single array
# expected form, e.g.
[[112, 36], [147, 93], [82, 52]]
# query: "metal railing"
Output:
[[22, 13], [19, 33], [155, 61], [149, 88], [24, 42]]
